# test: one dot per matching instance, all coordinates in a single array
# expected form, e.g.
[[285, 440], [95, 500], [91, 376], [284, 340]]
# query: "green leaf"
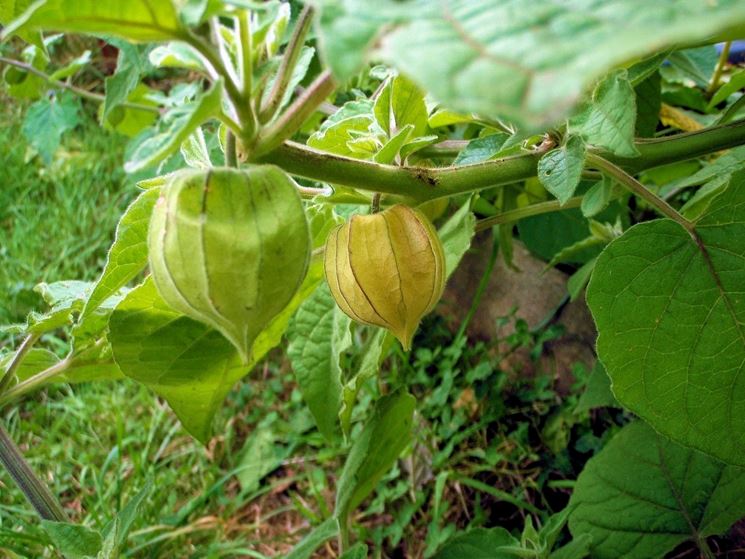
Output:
[[548, 234], [456, 235], [695, 64], [336, 137], [399, 104], [729, 163], [185, 120], [346, 34], [375, 450], [318, 536], [499, 59], [135, 20], [64, 298], [298, 73], [319, 333], [598, 392], [115, 533], [481, 149], [357, 551], [195, 152], [182, 360], [175, 55], [560, 170], [578, 280], [94, 362], [131, 64], [35, 361], [72, 67], [73, 540], [261, 455], [699, 203], [670, 316], [597, 198], [479, 543], [609, 119], [10, 10], [321, 220], [734, 85], [46, 121], [392, 148], [128, 255], [648, 105], [578, 548], [643, 495], [375, 351]]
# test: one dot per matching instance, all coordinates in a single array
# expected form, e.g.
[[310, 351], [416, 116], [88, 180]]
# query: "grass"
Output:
[[55, 222]]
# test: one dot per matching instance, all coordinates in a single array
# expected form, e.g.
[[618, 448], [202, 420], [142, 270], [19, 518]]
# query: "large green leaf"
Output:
[[643, 495], [670, 315], [375, 450], [318, 334], [136, 20], [128, 255], [529, 63], [186, 362]]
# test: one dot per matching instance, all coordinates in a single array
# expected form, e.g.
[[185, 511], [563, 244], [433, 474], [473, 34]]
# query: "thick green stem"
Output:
[[20, 354], [418, 184], [527, 211], [35, 491], [296, 114], [639, 189], [289, 61]]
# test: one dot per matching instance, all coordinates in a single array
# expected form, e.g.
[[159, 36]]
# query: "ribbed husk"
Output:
[[230, 248], [386, 269]]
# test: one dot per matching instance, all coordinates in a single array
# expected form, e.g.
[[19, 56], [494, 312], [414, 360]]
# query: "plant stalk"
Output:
[[419, 184], [217, 69], [528, 211], [231, 154], [296, 114], [246, 52], [80, 92], [20, 354], [36, 492], [289, 61], [34, 382], [639, 189], [723, 58]]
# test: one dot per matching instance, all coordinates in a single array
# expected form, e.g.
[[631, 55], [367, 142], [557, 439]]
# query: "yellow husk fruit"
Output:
[[386, 269], [230, 248]]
